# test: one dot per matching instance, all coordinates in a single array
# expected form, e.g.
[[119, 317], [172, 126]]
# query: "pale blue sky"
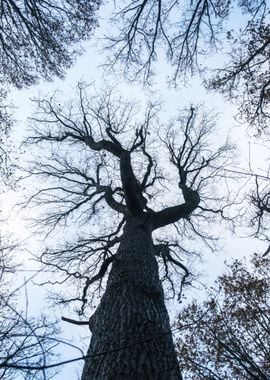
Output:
[[86, 68]]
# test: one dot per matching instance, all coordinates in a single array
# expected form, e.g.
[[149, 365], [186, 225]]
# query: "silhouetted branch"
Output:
[[37, 37], [116, 175]]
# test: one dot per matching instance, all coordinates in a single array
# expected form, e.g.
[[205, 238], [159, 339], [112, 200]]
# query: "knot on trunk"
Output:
[[162, 250], [191, 196]]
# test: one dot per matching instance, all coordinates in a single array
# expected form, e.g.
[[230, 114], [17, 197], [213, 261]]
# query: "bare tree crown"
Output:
[[101, 167]]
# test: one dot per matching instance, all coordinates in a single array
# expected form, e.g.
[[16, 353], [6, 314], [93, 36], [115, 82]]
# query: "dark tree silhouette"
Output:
[[5, 125], [227, 337], [37, 37], [100, 169], [37, 40], [245, 77], [24, 341], [191, 31], [259, 211]]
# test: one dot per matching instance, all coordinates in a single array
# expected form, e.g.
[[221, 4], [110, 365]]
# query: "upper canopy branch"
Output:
[[102, 169], [187, 141], [173, 214], [126, 177], [37, 37], [102, 122], [185, 30]]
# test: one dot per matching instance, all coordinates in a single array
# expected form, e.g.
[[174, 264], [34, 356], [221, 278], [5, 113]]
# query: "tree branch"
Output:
[[173, 214]]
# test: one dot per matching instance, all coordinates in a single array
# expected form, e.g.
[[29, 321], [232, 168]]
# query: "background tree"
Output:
[[37, 40], [191, 31], [227, 336], [5, 125], [38, 37], [259, 212], [101, 170], [24, 341]]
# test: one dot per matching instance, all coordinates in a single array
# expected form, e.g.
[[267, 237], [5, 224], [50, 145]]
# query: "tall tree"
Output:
[[101, 169], [227, 337], [192, 33]]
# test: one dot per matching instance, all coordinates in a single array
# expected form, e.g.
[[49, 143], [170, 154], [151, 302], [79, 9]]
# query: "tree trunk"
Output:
[[131, 322]]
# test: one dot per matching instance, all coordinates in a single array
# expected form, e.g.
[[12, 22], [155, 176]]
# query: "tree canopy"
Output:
[[23, 339], [89, 186], [38, 40], [38, 37], [192, 31], [227, 336]]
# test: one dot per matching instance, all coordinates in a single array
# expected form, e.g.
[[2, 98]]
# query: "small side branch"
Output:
[[172, 214], [98, 276], [75, 322], [163, 251]]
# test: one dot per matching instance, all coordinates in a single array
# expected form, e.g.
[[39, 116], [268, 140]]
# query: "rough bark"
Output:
[[131, 323]]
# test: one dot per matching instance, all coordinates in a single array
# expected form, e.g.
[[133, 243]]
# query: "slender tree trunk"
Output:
[[131, 321]]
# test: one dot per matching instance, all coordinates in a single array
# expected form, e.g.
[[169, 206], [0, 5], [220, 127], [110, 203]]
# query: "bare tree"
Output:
[[37, 40], [24, 341], [245, 77], [191, 31], [185, 30], [5, 125], [101, 170], [227, 336], [37, 37], [259, 199]]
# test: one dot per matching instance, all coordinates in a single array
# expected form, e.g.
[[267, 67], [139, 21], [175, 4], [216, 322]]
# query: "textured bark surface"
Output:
[[131, 318]]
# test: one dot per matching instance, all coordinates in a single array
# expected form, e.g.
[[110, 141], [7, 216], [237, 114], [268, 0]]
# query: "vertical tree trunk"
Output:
[[131, 318]]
